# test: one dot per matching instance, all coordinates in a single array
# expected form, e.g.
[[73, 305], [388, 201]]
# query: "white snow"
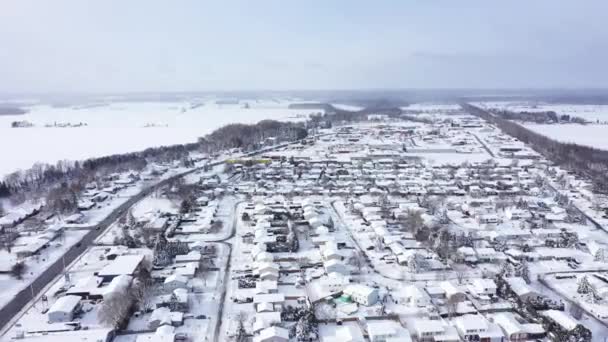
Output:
[[119, 128], [589, 135]]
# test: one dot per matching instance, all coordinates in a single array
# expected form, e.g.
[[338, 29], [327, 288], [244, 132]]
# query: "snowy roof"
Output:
[[471, 322], [349, 333], [71, 336], [381, 328], [65, 304], [519, 286], [428, 326], [508, 323], [269, 298], [123, 264], [359, 289], [561, 318], [176, 278], [118, 284], [272, 332]]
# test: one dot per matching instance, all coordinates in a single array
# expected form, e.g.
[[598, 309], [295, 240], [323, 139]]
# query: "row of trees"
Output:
[[585, 161], [537, 117], [69, 176]]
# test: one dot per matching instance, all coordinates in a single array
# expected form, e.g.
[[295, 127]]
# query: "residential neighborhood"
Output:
[[382, 230]]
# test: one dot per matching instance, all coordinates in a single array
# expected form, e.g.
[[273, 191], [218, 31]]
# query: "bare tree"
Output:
[[18, 269], [452, 306], [141, 294], [114, 311], [240, 318], [460, 275]]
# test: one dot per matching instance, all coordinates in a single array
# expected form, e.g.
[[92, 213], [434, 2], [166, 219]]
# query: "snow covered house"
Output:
[[362, 294], [348, 333], [513, 330], [482, 286], [117, 286], [466, 254], [164, 316], [272, 334], [521, 289], [567, 322], [385, 331], [412, 295], [426, 330], [452, 293], [175, 281], [63, 309], [335, 266], [470, 327], [265, 320], [122, 265]]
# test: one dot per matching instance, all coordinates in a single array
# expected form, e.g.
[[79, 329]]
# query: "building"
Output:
[[485, 287], [386, 331], [272, 334], [426, 330], [413, 296], [122, 265], [452, 293], [521, 289], [335, 266], [63, 309], [349, 333], [175, 281], [470, 327], [362, 294], [513, 330]]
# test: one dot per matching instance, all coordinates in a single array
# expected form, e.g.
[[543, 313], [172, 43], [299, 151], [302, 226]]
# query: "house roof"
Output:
[[65, 304], [272, 332], [123, 264]]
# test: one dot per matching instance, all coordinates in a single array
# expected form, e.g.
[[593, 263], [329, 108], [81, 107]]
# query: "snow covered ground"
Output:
[[120, 127], [590, 135], [589, 112]]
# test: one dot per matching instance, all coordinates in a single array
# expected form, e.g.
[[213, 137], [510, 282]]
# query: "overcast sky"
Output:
[[150, 45]]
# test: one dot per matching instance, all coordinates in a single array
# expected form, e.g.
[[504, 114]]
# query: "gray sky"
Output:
[[160, 45]]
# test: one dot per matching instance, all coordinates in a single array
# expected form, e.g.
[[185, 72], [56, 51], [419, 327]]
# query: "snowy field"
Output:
[[589, 135], [121, 127], [592, 113]]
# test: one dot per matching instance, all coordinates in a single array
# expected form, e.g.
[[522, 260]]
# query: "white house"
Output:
[[452, 293], [483, 286], [334, 282], [426, 329], [521, 289], [349, 333], [362, 294], [63, 309], [175, 281], [272, 334], [513, 330], [118, 285], [413, 296], [335, 266], [387, 331], [471, 326]]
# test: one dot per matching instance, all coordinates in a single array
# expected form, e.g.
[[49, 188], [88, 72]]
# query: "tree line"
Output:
[[588, 162], [71, 177]]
